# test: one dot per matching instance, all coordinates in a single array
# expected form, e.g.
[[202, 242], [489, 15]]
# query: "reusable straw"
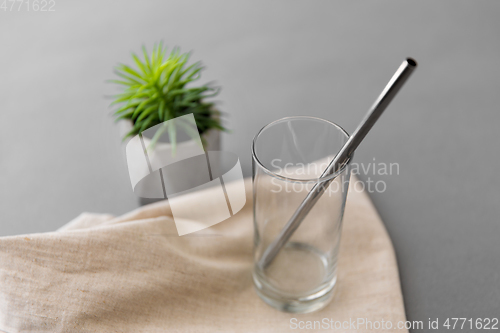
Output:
[[398, 79]]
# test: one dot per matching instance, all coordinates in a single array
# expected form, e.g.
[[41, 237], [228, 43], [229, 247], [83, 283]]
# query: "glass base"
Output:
[[297, 280]]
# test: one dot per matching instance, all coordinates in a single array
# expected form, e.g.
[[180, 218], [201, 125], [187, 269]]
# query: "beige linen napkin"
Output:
[[134, 274]]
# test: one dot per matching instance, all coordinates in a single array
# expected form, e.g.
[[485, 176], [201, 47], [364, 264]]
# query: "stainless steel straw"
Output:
[[398, 79]]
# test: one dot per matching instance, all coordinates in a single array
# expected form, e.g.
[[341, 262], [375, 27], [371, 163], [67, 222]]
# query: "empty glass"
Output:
[[289, 156]]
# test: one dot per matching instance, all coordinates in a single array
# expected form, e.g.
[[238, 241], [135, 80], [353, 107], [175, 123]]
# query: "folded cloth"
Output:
[[133, 273]]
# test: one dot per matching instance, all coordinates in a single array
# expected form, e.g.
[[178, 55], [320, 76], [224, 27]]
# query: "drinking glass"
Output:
[[289, 156]]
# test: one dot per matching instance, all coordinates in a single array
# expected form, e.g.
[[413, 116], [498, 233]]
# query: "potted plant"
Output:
[[159, 88]]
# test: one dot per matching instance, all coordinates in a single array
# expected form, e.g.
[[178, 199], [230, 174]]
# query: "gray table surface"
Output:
[[60, 151]]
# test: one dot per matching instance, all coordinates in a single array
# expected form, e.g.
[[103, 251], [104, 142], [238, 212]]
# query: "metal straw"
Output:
[[398, 79]]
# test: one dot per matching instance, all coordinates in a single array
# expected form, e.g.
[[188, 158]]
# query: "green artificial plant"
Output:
[[156, 90]]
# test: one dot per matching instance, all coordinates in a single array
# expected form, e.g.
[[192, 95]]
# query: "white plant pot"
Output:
[[184, 148]]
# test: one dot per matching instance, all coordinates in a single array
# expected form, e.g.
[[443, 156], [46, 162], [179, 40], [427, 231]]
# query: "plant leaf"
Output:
[[161, 110], [146, 112], [139, 64]]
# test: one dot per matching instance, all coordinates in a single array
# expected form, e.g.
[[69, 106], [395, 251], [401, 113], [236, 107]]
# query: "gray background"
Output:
[[60, 151]]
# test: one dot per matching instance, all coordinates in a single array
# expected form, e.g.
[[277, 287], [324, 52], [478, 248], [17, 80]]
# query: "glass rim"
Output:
[[311, 180]]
